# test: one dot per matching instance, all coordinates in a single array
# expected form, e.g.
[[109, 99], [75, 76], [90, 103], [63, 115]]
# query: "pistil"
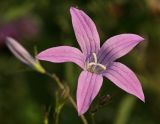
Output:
[[94, 66]]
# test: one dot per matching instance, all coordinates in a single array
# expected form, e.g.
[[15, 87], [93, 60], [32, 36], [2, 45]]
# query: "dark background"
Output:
[[26, 95]]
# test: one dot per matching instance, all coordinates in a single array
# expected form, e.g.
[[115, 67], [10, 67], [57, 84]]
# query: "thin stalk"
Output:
[[62, 87], [93, 118], [57, 118]]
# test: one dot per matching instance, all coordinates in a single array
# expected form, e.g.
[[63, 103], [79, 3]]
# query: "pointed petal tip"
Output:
[[140, 95], [80, 112], [140, 38], [10, 39], [134, 36], [142, 98], [72, 9], [137, 37]]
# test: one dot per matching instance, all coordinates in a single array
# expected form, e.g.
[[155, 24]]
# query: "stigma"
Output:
[[93, 66]]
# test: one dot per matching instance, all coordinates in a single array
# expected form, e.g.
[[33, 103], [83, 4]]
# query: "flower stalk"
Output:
[[62, 87]]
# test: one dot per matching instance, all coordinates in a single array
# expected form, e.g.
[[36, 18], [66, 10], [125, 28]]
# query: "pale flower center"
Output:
[[93, 65]]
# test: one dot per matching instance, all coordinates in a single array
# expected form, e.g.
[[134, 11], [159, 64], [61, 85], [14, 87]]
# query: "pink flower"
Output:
[[96, 62]]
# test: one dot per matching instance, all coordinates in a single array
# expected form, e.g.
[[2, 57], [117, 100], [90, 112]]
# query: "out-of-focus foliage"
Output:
[[25, 96]]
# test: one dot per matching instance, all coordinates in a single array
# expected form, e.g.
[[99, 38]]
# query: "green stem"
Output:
[[93, 118], [57, 118], [61, 86]]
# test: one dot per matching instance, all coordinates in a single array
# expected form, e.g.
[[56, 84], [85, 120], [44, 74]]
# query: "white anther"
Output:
[[102, 66], [94, 66], [95, 57], [91, 63]]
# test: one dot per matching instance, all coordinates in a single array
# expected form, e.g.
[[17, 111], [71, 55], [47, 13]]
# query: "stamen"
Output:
[[102, 66], [95, 67], [95, 57], [91, 64]]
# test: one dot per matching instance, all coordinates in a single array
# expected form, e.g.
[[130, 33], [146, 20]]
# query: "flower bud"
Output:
[[23, 55]]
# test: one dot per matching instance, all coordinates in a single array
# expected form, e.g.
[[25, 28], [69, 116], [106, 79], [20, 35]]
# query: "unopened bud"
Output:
[[23, 55]]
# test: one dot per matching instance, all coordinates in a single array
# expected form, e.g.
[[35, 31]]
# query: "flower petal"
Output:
[[63, 54], [117, 46], [85, 31], [124, 78], [89, 85]]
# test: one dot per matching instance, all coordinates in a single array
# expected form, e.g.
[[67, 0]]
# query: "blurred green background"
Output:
[[26, 96]]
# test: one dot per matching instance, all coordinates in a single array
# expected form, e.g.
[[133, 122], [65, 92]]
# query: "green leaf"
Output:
[[125, 109]]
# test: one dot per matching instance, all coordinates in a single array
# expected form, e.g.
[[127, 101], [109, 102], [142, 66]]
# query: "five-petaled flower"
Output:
[[96, 62]]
